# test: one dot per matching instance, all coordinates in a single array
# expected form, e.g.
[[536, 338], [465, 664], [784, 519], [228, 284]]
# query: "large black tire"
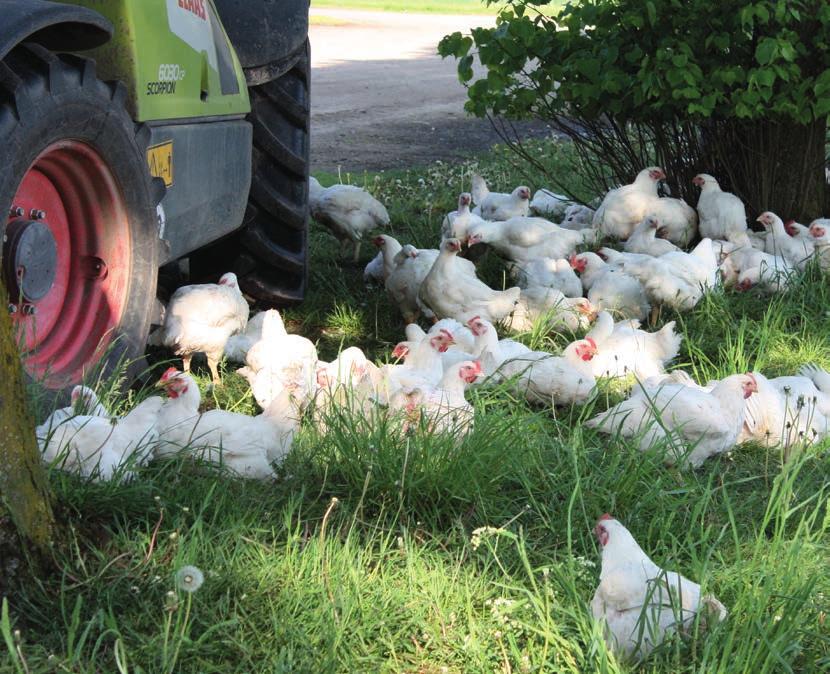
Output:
[[270, 253], [47, 100]]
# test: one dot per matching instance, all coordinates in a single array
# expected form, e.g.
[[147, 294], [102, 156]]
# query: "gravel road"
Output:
[[382, 98]]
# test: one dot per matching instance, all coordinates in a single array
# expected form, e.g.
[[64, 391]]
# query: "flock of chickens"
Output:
[[603, 290]]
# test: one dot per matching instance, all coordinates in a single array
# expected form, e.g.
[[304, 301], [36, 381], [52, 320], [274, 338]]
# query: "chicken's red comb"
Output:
[[790, 222], [473, 320], [169, 373], [605, 516], [447, 333], [477, 365], [591, 341]]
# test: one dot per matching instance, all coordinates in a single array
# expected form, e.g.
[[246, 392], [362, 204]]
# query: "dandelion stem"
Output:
[[182, 635]]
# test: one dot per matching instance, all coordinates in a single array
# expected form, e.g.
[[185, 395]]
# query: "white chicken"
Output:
[[677, 279], [422, 367], [547, 204], [404, 281], [457, 223], [638, 603], [492, 351], [380, 266], [747, 257], [547, 272], [345, 384], [610, 288], [280, 361], [442, 409], [623, 207], [820, 231], [678, 220], [179, 412], [796, 251], [348, 211], [243, 444], [554, 380], [722, 214], [238, 345], [346, 370], [522, 239], [82, 401], [463, 338], [644, 239], [624, 349], [499, 206], [464, 342], [450, 292], [578, 216], [560, 312], [787, 411], [773, 275], [96, 446], [801, 234], [201, 319], [691, 423]]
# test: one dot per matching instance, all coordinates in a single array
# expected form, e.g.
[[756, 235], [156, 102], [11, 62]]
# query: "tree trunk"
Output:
[[773, 166], [22, 479]]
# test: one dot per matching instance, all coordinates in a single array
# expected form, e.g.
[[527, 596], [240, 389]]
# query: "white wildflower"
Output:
[[482, 533]]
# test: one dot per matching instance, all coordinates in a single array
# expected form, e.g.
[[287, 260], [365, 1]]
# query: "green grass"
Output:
[[368, 554], [421, 6]]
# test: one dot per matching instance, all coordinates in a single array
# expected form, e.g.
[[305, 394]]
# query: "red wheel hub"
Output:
[[67, 309]]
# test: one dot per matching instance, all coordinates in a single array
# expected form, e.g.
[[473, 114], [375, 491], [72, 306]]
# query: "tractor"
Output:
[[138, 136]]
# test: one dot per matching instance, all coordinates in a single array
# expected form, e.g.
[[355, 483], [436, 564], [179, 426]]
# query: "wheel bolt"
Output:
[[29, 309], [36, 214], [16, 212]]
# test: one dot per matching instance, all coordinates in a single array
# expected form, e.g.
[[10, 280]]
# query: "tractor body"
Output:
[[217, 95]]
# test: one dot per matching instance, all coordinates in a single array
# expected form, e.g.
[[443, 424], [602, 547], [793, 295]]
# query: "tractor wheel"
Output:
[[269, 254], [80, 249]]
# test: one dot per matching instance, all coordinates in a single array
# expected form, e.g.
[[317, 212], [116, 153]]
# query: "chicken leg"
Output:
[[214, 371], [186, 362]]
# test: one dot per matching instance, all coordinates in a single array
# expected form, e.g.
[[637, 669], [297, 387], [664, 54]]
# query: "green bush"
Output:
[[740, 89]]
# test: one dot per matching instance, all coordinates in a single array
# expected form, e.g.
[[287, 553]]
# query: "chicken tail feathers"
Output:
[[172, 333], [818, 376], [669, 342], [504, 302], [479, 189]]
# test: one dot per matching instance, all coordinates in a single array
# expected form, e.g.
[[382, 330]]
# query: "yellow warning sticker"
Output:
[[160, 162]]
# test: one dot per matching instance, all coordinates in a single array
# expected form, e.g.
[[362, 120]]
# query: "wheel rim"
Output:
[[69, 320]]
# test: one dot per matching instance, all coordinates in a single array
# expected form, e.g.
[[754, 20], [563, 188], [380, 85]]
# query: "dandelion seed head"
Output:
[[189, 578]]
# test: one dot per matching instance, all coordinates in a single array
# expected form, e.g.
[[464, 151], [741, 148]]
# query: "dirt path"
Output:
[[382, 98]]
